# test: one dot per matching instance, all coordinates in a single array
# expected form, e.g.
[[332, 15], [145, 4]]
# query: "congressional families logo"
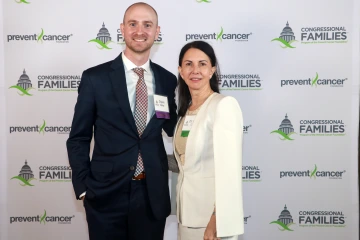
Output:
[[285, 130], [22, 1], [58, 83], [251, 174], [46, 83], [314, 82], [326, 34], [40, 37], [311, 128], [322, 127], [25, 176], [312, 35], [43, 218], [45, 174], [320, 218], [286, 38], [313, 174], [203, 1], [103, 39], [285, 221], [24, 85], [220, 36], [246, 82], [40, 129]]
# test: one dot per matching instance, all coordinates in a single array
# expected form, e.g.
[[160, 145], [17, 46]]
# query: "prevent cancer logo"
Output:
[[23, 85], [284, 221], [25, 176], [285, 130], [42, 219], [238, 37], [103, 38], [287, 37]]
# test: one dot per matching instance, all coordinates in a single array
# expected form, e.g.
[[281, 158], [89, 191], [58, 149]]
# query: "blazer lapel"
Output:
[[195, 131], [118, 80], [154, 121]]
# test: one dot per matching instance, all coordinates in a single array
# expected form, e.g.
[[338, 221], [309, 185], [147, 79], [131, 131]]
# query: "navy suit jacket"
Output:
[[103, 110]]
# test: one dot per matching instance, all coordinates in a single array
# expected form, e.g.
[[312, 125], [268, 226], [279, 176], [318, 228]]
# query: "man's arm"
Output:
[[171, 123], [78, 144]]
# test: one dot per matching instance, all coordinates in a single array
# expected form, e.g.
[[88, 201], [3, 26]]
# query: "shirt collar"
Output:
[[129, 65]]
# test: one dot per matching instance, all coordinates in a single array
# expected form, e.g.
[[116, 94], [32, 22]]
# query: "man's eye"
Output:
[[132, 24], [147, 25]]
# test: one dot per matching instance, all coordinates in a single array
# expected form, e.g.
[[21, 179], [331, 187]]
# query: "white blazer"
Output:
[[212, 171]]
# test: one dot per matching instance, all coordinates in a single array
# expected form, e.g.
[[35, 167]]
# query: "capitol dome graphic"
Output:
[[26, 172], [103, 35], [24, 81], [287, 33], [286, 126], [285, 216]]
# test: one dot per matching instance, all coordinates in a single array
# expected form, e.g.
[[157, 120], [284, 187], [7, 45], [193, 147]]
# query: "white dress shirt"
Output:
[[131, 80]]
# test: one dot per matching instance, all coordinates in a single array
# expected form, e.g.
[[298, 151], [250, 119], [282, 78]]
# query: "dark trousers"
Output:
[[124, 216]]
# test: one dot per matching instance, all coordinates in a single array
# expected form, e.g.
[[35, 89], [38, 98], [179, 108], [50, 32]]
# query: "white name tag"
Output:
[[188, 122], [161, 106]]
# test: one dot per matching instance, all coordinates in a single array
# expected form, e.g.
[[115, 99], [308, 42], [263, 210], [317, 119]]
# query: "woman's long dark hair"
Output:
[[183, 89]]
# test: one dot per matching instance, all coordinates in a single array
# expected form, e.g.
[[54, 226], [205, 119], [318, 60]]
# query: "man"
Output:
[[125, 186]]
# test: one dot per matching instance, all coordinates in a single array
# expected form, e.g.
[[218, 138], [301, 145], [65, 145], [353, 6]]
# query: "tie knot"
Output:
[[139, 72]]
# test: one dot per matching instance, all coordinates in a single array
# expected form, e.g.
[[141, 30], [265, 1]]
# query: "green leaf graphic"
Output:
[[314, 172], [220, 35], [287, 44], [24, 92], [42, 128], [200, 1], [43, 218], [26, 183], [40, 36], [102, 45], [22, 1], [314, 81], [284, 227], [284, 135]]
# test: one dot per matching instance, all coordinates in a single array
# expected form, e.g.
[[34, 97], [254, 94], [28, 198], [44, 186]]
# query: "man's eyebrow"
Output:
[[148, 21]]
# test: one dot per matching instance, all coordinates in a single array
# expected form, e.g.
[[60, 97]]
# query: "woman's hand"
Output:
[[210, 231]]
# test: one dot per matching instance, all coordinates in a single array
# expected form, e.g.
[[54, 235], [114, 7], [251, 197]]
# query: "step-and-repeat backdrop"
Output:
[[292, 65]]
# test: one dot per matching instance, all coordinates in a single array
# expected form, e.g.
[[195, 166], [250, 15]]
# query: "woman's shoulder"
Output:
[[223, 100]]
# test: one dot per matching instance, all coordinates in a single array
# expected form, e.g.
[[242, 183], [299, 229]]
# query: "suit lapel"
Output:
[[159, 90], [118, 80]]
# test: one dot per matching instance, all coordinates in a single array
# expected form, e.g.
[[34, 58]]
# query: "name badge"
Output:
[[161, 106], [188, 122]]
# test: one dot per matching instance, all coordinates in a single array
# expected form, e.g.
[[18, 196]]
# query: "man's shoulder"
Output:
[[162, 70], [99, 69]]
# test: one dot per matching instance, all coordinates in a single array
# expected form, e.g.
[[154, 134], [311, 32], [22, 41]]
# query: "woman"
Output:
[[208, 148]]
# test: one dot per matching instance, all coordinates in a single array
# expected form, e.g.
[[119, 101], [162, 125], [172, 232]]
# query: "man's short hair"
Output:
[[141, 4]]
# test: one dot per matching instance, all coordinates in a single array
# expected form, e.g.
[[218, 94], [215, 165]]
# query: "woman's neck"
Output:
[[198, 97]]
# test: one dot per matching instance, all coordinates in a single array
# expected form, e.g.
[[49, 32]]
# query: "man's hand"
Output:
[[210, 231]]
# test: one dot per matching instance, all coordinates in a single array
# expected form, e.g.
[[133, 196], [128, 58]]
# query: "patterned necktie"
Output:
[[140, 115]]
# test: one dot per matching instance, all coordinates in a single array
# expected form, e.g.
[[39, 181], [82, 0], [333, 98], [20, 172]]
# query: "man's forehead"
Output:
[[140, 13]]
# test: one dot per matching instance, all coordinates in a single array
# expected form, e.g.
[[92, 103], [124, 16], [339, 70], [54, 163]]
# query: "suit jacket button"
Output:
[[132, 168]]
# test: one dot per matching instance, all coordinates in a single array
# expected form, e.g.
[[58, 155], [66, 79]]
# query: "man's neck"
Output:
[[137, 59]]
